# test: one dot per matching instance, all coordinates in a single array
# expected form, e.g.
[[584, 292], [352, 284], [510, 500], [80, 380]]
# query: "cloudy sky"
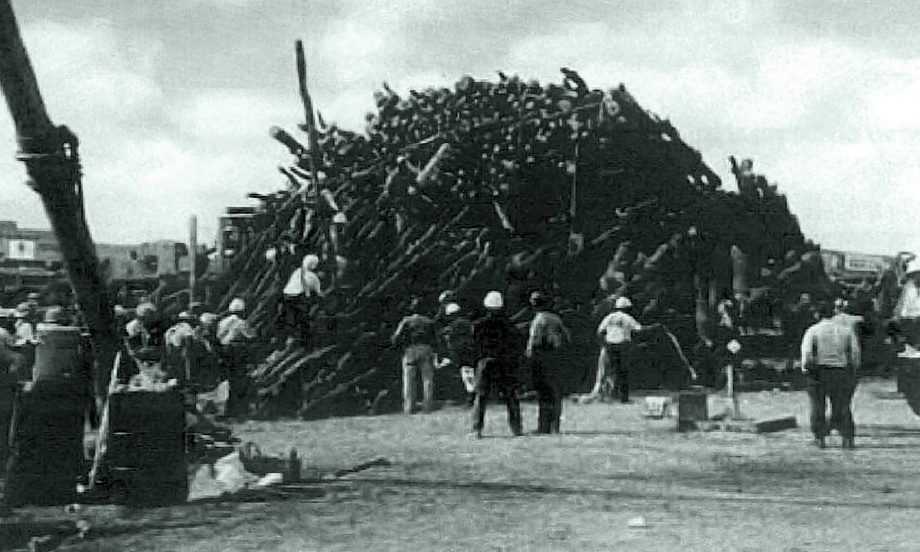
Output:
[[173, 99]]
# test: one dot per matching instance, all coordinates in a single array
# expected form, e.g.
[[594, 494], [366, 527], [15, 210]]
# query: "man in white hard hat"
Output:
[[235, 336], [417, 335], [457, 337], [178, 339], [615, 332], [139, 331], [302, 291], [498, 344]]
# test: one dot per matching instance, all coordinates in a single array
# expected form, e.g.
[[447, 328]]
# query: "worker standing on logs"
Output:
[[496, 339], [417, 335], [547, 338], [235, 336], [300, 294], [830, 360]]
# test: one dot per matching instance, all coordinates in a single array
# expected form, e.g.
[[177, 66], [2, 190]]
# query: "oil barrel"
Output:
[[146, 447]]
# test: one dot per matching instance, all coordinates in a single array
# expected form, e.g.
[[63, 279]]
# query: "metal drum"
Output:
[[146, 447], [59, 353]]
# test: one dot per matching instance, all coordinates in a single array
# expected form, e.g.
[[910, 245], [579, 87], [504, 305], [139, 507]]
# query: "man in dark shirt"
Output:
[[546, 340], [496, 339]]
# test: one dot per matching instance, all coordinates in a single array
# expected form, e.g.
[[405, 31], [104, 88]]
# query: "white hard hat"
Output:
[[145, 309], [451, 308], [310, 262], [913, 266], [237, 305], [339, 218], [623, 303], [493, 300]]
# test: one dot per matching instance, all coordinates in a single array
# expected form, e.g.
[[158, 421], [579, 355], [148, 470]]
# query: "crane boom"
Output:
[[51, 156]]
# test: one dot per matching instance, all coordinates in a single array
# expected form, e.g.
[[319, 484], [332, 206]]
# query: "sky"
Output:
[[173, 99]]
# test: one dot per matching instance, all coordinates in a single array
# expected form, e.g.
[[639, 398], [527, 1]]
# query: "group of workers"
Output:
[[200, 348], [488, 351]]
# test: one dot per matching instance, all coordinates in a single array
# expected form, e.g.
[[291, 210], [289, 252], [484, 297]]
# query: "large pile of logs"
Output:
[[508, 185]]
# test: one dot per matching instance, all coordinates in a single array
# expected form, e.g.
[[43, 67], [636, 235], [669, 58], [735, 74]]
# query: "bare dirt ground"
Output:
[[697, 491]]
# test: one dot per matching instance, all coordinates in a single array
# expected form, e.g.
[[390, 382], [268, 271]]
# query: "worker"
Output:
[[26, 322], [208, 371], [446, 298], [302, 291], [140, 331], [615, 331], [457, 338], [33, 301], [9, 362], [235, 336], [178, 340], [546, 341], [497, 344], [830, 360], [416, 334]]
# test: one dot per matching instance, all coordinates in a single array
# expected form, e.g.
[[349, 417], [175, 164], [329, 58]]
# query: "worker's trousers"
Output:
[[547, 382], [838, 385], [613, 361], [496, 376], [418, 360]]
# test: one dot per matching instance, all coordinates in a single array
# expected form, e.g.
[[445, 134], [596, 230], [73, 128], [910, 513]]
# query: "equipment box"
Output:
[[146, 447]]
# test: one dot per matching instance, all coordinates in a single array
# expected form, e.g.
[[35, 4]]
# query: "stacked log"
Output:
[[508, 185]]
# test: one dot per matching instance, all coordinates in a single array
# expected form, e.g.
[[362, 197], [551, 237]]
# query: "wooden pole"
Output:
[[193, 257]]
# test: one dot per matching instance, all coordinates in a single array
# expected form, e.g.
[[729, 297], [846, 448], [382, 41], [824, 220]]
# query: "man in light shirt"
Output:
[[303, 288], [830, 359], [616, 331]]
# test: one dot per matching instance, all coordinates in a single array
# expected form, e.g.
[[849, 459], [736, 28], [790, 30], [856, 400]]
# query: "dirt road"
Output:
[[577, 491]]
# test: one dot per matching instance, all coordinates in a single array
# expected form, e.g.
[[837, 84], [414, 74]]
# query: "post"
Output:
[[193, 257]]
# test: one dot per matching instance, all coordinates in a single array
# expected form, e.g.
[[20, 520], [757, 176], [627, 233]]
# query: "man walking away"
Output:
[[547, 338], [496, 340], [417, 334], [830, 360], [616, 331]]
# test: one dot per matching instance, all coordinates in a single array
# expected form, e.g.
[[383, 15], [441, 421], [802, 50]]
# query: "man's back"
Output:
[[830, 343], [416, 329]]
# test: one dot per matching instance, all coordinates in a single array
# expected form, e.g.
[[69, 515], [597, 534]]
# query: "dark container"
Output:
[[146, 447], [46, 444]]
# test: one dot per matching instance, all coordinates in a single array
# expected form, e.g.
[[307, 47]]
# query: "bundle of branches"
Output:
[[507, 185]]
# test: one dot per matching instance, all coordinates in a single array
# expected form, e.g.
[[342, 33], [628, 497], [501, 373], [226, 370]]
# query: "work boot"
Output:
[[848, 443], [819, 442]]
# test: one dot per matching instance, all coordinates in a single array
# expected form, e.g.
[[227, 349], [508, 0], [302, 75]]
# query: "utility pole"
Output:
[[193, 257]]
